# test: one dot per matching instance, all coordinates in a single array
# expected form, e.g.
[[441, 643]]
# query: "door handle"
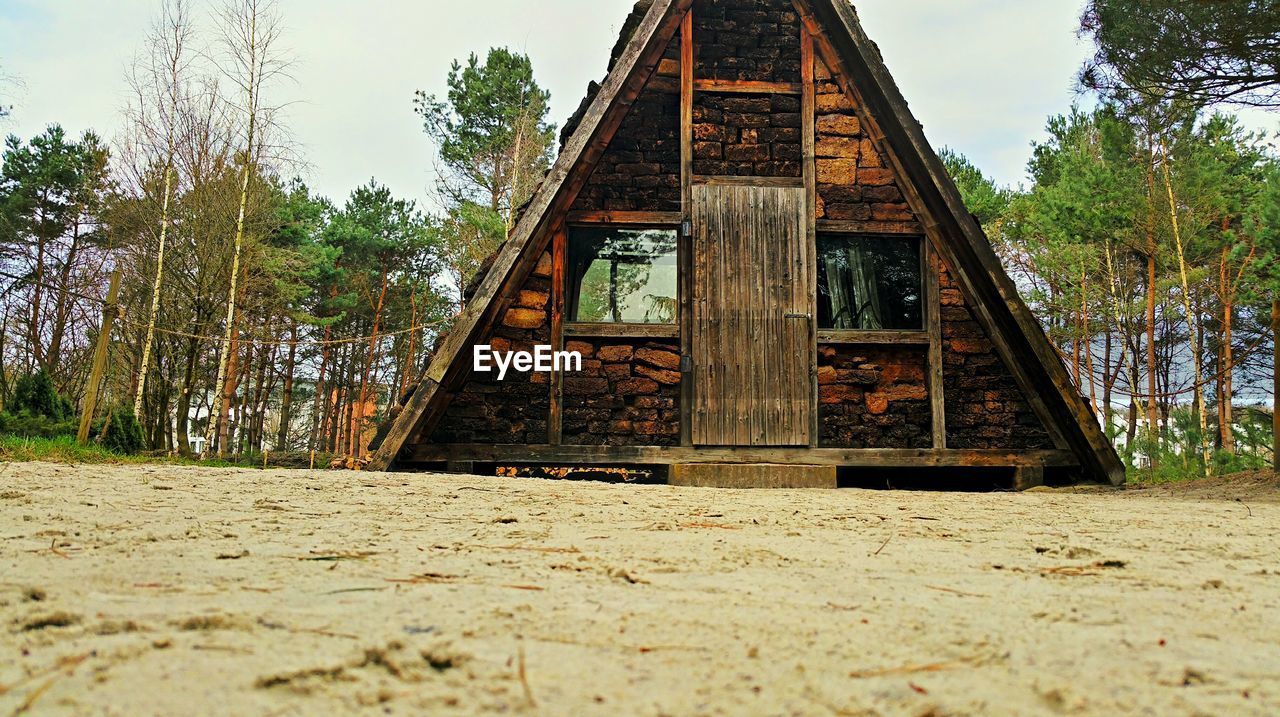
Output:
[[792, 315]]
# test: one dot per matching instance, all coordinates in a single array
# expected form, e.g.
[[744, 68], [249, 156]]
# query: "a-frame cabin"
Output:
[[761, 260]]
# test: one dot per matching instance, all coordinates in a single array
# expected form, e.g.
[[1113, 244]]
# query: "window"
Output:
[[870, 283], [622, 275]]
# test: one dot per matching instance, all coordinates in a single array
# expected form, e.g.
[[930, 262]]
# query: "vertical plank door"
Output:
[[753, 356]]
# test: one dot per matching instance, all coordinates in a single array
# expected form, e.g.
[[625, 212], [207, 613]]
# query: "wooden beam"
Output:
[[722, 181], [99, 366], [527, 241], [623, 331], [933, 317], [840, 226], [615, 217], [749, 86], [685, 252], [659, 455], [1019, 337], [558, 290], [854, 336], [808, 144]]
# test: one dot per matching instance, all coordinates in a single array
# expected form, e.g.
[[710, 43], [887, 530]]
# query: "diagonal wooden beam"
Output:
[[1018, 337], [526, 243]]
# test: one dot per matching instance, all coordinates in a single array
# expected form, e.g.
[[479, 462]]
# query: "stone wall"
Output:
[[746, 40], [746, 135], [853, 175], [628, 394], [985, 406], [515, 410], [873, 397], [640, 169]]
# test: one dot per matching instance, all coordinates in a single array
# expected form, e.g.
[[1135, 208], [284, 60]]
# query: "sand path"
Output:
[[159, 590]]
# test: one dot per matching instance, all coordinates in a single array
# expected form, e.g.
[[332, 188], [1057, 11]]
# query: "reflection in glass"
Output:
[[869, 283], [622, 276]]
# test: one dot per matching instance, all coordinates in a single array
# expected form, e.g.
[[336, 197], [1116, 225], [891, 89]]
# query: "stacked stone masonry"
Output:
[[757, 40], [853, 177], [640, 169], [746, 135], [515, 410], [985, 407], [628, 394], [873, 397]]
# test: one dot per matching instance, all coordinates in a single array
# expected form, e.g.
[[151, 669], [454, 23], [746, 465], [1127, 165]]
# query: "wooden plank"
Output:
[[625, 331], [729, 181], [1019, 338], [808, 139], [99, 366], [841, 226], [748, 86], [752, 475], [873, 338], [750, 269], [658, 219], [933, 320], [659, 455], [685, 247], [518, 255], [555, 421]]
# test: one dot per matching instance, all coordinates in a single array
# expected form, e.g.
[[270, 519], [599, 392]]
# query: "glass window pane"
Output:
[[869, 283], [622, 275]]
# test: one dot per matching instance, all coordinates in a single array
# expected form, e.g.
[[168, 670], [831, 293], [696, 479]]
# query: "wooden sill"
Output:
[[624, 331], [847, 336]]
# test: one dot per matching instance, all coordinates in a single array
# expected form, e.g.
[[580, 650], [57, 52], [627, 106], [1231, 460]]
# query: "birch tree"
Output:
[[251, 60], [160, 85]]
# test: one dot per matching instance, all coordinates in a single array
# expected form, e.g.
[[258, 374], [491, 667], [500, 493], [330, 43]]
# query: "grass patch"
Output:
[[65, 449]]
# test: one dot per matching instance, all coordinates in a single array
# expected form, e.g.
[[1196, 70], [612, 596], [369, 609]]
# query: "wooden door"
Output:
[[753, 354]]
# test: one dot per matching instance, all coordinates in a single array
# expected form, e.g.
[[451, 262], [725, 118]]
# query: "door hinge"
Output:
[[686, 228], [686, 363]]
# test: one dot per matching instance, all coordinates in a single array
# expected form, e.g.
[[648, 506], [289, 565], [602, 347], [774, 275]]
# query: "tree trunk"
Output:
[[1193, 323], [1275, 383], [184, 397], [156, 285], [286, 395], [1227, 396], [321, 402], [1153, 416], [357, 442], [250, 156]]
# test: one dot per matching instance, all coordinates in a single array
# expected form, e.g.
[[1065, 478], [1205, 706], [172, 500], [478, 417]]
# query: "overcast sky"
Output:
[[981, 75]]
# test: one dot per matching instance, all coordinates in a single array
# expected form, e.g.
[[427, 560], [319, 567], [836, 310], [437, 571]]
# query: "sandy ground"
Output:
[[155, 590]]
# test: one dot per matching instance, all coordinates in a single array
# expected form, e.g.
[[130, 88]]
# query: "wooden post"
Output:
[[685, 247], [99, 358], [808, 143], [1028, 477], [933, 313]]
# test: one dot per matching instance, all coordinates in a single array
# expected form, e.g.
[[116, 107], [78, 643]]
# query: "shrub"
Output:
[[26, 425], [122, 433], [35, 395]]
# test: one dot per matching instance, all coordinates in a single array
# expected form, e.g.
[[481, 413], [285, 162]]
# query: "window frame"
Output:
[[914, 336], [622, 329]]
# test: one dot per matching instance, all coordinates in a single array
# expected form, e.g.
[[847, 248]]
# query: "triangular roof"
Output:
[[856, 62]]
